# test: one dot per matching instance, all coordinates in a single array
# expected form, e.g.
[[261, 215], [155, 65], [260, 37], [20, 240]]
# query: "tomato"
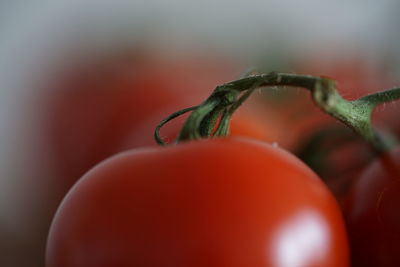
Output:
[[97, 104], [217, 202], [337, 155], [347, 161], [372, 216]]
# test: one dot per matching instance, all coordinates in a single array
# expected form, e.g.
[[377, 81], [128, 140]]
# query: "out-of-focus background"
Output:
[[83, 79]]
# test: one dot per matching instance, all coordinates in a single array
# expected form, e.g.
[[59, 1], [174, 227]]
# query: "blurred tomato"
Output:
[[338, 155], [102, 101], [371, 213]]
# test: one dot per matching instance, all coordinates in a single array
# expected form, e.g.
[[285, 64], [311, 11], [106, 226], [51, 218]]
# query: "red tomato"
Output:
[[372, 213], [220, 202], [337, 155], [101, 102], [347, 161]]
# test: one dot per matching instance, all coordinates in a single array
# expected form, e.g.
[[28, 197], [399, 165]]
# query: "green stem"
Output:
[[157, 136], [223, 128], [355, 114], [381, 97], [202, 120], [227, 97]]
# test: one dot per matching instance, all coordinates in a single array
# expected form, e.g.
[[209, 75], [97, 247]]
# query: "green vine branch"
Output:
[[215, 112]]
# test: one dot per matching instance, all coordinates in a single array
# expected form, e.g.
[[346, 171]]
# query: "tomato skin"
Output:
[[372, 213], [220, 202]]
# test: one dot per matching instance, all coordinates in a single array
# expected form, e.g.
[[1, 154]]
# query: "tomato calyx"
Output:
[[211, 118]]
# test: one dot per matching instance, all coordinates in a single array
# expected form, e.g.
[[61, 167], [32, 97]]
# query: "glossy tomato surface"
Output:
[[372, 213], [221, 202]]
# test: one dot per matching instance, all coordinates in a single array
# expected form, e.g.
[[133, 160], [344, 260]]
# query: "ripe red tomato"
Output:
[[372, 213], [219, 202], [101, 102]]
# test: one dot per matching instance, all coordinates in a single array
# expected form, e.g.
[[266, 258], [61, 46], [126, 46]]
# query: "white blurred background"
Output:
[[38, 39]]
